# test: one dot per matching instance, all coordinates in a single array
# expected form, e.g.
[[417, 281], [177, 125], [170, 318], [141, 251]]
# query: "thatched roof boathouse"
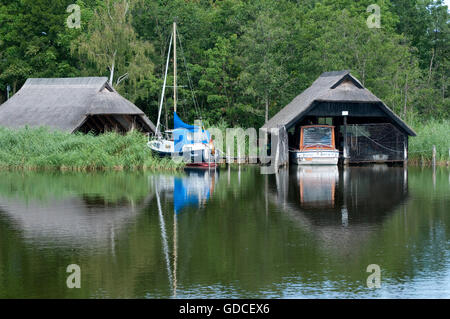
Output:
[[86, 104], [366, 129]]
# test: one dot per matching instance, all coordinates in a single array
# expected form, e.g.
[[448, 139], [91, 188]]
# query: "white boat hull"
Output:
[[191, 153], [326, 157], [162, 147]]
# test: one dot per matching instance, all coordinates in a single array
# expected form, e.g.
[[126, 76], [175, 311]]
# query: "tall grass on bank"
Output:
[[433, 132], [41, 148]]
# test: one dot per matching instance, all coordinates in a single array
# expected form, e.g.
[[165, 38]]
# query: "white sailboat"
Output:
[[191, 142]]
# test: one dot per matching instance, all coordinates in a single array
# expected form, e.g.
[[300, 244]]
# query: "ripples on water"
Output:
[[303, 233]]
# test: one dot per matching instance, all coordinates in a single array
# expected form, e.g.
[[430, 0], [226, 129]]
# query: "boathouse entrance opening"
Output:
[[367, 142]]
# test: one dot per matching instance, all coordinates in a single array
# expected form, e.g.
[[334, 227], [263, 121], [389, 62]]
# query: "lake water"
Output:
[[303, 233]]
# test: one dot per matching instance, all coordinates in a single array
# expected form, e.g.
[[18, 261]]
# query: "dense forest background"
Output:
[[238, 55]]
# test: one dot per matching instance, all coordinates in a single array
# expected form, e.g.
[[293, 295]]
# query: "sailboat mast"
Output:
[[164, 89], [174, 66]]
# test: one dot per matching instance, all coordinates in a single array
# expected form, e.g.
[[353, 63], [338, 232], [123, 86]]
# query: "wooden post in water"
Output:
[[448, 162], [345, 150], [434, 156], [405, 151], [266, 192], [238, 160]]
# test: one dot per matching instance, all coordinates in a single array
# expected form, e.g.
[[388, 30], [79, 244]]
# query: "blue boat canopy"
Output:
[[178, 123], [187, 134]]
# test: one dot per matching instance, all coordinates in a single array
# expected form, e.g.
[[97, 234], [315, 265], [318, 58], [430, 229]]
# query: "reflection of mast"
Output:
[[164, 236], [194, 189], [172, 274], [175, 250]]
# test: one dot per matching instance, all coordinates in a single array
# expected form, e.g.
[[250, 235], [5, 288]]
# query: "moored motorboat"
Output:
[[317, 146]]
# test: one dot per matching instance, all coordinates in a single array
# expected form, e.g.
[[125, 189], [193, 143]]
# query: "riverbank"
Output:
[[42, 149], [433, 132]]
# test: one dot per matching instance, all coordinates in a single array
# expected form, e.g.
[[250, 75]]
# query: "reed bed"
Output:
[[433, 132], [44, 149]]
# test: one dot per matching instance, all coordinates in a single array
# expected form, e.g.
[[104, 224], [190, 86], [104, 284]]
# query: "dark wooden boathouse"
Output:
[[366, 129], [87, 104]]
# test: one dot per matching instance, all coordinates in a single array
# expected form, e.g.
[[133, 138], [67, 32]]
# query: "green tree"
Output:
[[219, 78], [263, 62], [111, 43], [426, 24], [247, 59], [381, 59], [34, 41]]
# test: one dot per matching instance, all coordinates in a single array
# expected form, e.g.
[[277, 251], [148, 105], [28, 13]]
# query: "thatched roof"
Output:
[[337, 87], [65, 103]]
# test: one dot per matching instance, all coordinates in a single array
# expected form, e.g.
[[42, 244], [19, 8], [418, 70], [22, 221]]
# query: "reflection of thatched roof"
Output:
[[337, 87], [71, 220], [365, 198], [338, 238], [65, 103]]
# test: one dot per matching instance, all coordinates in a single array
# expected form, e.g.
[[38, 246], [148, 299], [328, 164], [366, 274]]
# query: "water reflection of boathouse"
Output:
[[339, 206]]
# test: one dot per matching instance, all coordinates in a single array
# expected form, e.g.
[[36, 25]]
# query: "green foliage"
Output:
[[219, 77], [241, 55], [430, 133], [44, 186], [264, 73], [110, 42], [45, 149], [34, 41], [244, 54]]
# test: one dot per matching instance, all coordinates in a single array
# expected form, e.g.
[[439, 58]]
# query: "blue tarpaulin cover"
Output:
[[187, 134], [178, 123]]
